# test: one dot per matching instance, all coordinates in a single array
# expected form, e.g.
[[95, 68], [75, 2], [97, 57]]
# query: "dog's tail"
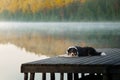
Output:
[[103, 54], [100, 54]]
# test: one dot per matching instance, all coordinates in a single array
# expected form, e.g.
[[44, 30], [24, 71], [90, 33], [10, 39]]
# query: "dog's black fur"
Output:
[[82, 51]]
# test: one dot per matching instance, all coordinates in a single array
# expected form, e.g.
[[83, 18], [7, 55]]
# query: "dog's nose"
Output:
[[72, 54]]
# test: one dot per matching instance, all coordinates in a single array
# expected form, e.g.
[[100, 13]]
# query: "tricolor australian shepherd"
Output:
[[77, 51]]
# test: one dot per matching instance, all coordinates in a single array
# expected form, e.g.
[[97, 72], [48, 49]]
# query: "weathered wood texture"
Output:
[[25, 76], [109, 64]]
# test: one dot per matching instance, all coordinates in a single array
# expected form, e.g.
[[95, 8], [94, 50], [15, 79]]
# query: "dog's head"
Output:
[[72, 51]]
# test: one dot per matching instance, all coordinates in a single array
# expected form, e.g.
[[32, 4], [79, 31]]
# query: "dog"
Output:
[[77, 51]]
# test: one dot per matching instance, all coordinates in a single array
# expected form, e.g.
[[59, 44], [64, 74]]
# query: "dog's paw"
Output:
[[64, 55]]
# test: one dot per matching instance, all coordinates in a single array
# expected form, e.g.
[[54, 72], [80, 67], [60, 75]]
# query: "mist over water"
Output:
[[58, 26], [64, 29]]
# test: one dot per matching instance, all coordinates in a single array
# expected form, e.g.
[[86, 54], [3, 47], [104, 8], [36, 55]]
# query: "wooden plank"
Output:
[[98, 60], [67, 68]]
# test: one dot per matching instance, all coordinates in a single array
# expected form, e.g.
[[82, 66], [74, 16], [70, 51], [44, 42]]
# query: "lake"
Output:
[[52, 38], [22, 42], [11, 58]]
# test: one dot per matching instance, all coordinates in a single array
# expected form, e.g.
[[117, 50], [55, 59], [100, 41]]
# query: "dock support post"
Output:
[[25, 76], [61, 76], [76, 77], [82, 74], [32, 76], [43, 76], [69, 76], [52, 76]]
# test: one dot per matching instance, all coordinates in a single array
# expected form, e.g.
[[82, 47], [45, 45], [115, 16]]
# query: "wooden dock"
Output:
[[108, 66]]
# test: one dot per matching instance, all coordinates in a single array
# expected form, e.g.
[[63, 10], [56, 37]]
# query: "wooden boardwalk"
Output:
[[108, 66]]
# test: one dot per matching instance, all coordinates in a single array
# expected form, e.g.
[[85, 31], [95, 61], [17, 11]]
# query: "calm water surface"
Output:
[[11, 58]]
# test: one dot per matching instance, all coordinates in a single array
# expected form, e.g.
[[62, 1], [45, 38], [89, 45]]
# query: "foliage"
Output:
[[60, 10]]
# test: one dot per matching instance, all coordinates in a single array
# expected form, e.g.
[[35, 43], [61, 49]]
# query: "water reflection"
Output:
[[11, 58], [53, 38]]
